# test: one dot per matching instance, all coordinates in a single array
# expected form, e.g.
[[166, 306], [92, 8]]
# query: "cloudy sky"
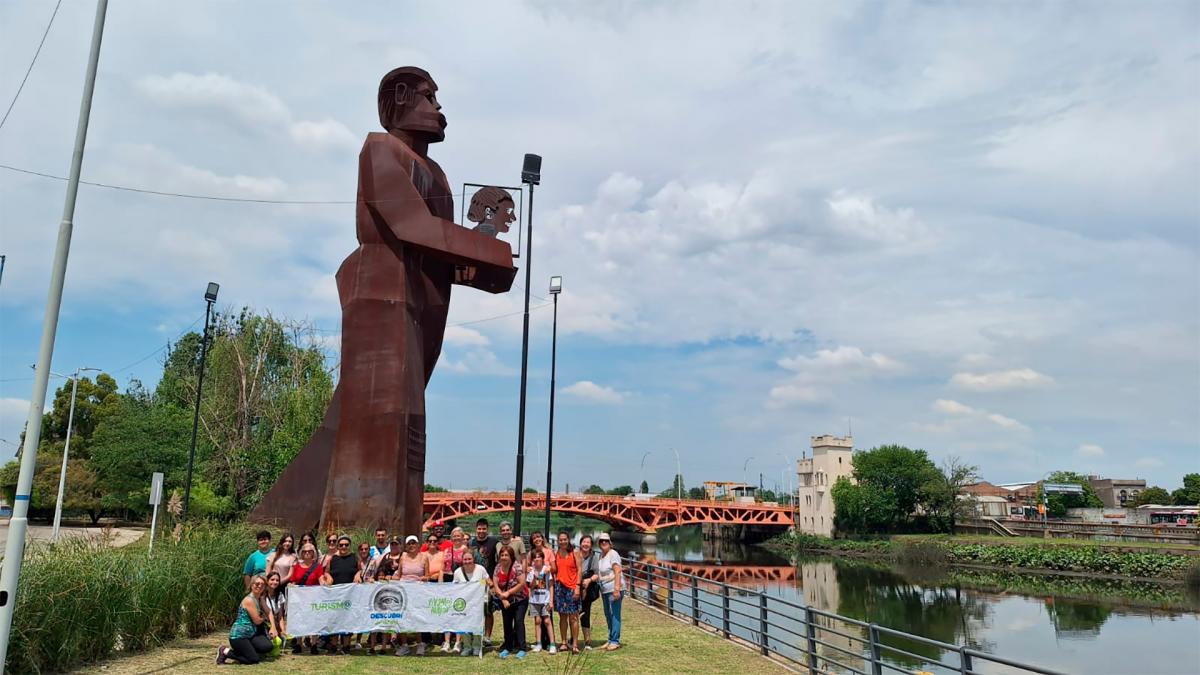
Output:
[[971, 229]]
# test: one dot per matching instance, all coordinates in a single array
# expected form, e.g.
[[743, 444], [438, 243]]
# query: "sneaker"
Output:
[[457, 647], [487, 640], [221, 655], [587, 648], [402, 651], [421, 649], [520, 654], [553, 650], [537, 648], [503, 654], [313, 649]]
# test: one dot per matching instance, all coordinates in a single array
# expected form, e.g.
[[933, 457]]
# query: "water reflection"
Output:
[[1067, 624]]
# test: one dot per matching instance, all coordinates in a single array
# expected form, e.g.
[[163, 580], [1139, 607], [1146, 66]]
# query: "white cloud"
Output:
[[952, 407], [785, 395], [253, 106], [1090, 450], [590, 391], [465, 337], [477, 361], [1021, 378], [968, 414], [841, 363]]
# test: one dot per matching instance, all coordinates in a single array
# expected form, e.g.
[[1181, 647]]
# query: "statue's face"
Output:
[[502, 216], [422, 115]]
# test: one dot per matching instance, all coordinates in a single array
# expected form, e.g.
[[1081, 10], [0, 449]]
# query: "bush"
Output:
[[1193, 578], [80, 600], [920, 554]]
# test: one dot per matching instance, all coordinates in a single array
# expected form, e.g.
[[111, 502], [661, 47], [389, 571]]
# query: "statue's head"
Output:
[[408, 102], [492, 206]]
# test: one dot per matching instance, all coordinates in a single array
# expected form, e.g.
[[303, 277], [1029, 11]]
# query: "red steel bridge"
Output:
[[641, 515]]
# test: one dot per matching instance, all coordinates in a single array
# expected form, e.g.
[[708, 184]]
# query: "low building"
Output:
[[830, 460], [1117, 492]]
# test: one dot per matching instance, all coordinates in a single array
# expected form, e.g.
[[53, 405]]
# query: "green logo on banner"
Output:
[[439, 606], [460, 605]]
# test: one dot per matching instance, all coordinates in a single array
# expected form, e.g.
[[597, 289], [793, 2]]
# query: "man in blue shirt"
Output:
[[257, 562], [381, 542]]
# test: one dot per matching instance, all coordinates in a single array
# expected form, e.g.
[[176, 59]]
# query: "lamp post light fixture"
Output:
[[62, 475], [210, 296], [531, 174], [744, 483], [555, 289]]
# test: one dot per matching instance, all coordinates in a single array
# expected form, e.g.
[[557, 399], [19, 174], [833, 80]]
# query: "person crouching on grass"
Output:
[[540, 579], [253, 630]]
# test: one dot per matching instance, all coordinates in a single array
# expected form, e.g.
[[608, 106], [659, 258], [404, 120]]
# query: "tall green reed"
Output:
[[81, 600]]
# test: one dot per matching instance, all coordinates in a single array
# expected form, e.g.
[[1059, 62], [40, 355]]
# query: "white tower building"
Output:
[[830, 460]]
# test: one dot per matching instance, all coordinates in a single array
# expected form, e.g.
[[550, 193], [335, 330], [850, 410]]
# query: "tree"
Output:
[[941, 496], [129, 446], [621, 490], [644, 488], [1057, 503], [695, 493], [1153, 495], [435, 488], [1189, 494], [861, 509], [593, 490], [895, 480], [529, 491]]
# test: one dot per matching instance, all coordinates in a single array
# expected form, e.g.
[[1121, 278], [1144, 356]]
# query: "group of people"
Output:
[[538, 580]]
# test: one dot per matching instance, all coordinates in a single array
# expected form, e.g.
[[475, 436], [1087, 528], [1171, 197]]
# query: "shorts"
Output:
[[539, 610], [565, 600]]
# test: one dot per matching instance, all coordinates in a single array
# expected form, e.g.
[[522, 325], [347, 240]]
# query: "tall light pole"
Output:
[[62, 475], [642, 471], [555, 289], [678, 476], [210, 296], [14, 550], [744, 483], [531, 174]]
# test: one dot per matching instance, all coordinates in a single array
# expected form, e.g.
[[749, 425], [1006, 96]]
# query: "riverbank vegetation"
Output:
[[1046, 555], [82, 600]]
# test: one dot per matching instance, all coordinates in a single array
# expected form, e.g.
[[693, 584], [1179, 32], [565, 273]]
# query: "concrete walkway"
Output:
[[120, 535]]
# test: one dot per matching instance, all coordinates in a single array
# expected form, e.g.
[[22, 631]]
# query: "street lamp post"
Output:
[[678, 476], [744, 483], [210, 296], [18, 523], [531, 174], [62, 475], [555, 289], [642, 471]]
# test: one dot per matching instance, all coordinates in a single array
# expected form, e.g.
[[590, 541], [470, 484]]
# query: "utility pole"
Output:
[[62, 476], [14, 550], [531, 174]]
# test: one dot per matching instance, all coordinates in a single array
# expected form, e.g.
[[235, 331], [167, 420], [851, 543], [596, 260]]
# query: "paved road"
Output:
[[120, 535]]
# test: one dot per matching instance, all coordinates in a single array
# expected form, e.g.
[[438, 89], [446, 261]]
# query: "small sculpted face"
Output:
[[502, 216]]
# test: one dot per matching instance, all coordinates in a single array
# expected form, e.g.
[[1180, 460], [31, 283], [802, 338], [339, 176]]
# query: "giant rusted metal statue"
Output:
[[365, 465]]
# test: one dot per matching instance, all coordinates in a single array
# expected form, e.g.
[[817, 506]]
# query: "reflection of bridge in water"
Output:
[[641, 515], [728, 574]]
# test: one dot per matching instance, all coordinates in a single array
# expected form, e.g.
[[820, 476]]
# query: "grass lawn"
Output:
[[653, 642]]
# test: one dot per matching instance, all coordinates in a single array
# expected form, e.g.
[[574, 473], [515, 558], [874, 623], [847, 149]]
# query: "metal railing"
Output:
[[822, 642]]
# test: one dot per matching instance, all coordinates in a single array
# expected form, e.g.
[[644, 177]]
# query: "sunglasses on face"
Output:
[[343, 545]]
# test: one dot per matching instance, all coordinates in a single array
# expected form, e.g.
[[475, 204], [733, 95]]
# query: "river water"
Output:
[[1067, 624]]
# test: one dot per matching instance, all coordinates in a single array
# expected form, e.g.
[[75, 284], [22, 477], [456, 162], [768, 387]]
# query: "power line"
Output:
[[30, 68], [211, 198], [157, 351]]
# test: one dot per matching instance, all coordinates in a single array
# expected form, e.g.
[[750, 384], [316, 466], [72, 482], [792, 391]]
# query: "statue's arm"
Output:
[[394, 202]]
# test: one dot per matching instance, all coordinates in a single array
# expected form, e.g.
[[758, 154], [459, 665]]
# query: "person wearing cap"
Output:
[[438, 528], [609, 570], [414, 567]]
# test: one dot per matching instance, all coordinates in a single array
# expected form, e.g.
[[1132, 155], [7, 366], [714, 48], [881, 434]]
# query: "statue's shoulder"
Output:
[[383, 142]]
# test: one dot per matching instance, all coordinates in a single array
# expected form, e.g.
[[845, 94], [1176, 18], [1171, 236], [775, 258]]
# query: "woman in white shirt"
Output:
[[469, 572], [610, 590]]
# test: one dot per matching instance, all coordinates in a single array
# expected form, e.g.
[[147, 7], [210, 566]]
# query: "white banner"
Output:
[[390, 606]]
